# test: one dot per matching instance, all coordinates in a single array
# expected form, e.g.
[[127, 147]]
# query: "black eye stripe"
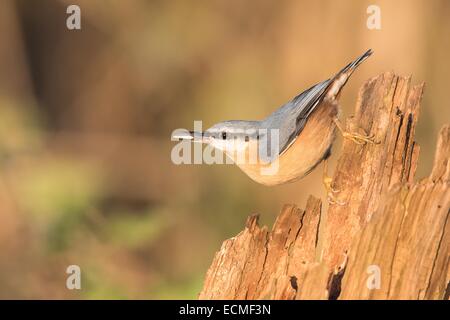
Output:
[[239, 136]]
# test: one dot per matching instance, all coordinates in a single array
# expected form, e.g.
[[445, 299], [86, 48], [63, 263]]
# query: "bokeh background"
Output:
[[86, 118]]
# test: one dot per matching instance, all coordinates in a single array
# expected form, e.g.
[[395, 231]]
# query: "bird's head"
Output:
[[228, 136]]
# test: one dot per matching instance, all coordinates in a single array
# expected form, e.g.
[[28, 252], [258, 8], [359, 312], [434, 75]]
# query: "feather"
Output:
[[290, 119]]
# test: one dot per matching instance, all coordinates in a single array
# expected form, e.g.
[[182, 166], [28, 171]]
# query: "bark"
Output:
[[388, 238]]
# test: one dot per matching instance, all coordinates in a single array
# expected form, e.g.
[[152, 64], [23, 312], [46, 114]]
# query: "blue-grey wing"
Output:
[[290, 119]]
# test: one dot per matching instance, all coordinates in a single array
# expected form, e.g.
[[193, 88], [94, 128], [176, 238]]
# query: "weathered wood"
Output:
[[245, 265], [388, 223], [408, 239], [387, 107]]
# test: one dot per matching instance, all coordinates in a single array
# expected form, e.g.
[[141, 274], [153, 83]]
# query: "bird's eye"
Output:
[[224, 135]]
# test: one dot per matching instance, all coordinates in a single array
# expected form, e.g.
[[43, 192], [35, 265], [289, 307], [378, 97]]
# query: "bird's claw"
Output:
[[355, 137], [360, 138], [332, 199]]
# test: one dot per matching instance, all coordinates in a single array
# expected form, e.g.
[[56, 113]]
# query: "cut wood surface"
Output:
[[387, 238]]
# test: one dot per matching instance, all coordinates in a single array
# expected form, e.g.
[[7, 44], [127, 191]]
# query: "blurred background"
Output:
[[86, 118]]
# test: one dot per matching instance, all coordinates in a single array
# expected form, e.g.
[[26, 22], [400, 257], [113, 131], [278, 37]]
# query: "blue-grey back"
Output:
[[291, 118]]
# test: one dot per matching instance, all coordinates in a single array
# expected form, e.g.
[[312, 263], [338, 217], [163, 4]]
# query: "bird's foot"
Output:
[[355, 137], [327, 182], [359, 138], [333, 199]]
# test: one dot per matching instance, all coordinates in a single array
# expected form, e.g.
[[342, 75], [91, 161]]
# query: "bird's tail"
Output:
[[340, 79], [353, 65]]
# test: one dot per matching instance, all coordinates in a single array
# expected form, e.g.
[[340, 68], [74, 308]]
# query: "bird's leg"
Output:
[[355, 137], [327, 181]]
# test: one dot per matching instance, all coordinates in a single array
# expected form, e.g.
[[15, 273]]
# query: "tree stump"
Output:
[[388, 239]]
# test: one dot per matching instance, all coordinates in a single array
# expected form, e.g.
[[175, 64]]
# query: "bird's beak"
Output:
[[195, 136]]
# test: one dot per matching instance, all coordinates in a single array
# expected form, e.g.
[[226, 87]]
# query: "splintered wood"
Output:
[[389, 236]]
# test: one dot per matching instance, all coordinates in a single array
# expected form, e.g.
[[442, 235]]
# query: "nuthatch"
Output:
[[304, 127]]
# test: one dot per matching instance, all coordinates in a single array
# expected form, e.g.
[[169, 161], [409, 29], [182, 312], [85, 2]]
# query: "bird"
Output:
[[296, 137]]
